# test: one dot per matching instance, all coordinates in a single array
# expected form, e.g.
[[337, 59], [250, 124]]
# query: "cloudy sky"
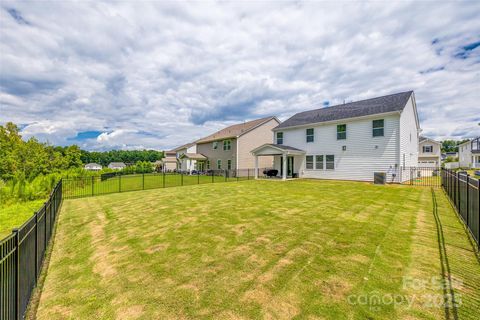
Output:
[[158, 74]]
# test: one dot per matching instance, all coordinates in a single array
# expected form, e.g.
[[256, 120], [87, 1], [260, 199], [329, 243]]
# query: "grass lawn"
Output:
[[14, 215], [261, 249]]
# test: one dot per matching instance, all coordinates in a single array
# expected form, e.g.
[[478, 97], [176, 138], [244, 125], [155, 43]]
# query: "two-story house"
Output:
[[350, 141], [429, 153], [469, 153], [229, 148]]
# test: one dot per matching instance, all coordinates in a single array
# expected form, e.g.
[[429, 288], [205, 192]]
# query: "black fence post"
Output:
[[181, 177], [198, 177], [164, 178], [119, 183], [36, 246], [213, 176], [236, 173], [17, 273], [93, 181], [225, 174], [468, 196], [143, 181], [248, 174]]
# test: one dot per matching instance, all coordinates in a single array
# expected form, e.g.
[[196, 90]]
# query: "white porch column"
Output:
[[284, 164], [256, 167]]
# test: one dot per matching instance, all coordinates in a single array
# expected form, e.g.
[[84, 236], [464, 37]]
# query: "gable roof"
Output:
[[236, 130], [384, 104], [422, 139], [184, 146]]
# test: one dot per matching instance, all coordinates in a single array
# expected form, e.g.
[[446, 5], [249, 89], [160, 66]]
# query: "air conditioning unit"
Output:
[[379, 177]]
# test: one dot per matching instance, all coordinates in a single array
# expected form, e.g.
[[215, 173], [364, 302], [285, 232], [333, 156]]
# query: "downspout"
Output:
[[236, 154]]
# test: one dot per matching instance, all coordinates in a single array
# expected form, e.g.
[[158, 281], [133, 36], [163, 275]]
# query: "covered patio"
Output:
[[192, 161], [287, 159]]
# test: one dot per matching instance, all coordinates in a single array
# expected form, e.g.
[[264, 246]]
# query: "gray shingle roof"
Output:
[[390, 103]]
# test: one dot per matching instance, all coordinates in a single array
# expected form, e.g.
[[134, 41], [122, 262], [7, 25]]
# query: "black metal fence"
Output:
[[96, 185], [464, 192], [420, 176], [21, 257]]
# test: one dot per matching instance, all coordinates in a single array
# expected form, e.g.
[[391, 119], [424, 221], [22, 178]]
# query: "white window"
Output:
[[319, 162], [310, 135], [341, 132], [279, 137], [309, 162], [219, 164], [378, 128], [330, 162], [215, 145], [427, 149], [227, 145]]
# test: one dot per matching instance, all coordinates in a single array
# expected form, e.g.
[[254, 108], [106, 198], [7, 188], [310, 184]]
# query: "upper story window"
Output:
[[310, 134], [341, 132], [378, 128], [227, 145], [215, 145], [279, 137], [427, 149]]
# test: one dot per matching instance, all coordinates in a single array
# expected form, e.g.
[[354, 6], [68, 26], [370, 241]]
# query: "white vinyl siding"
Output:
[[362, 156], [279, 137], [408, 134]]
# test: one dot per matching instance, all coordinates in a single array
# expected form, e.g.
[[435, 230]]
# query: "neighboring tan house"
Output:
[[117, 165], [93, 167], [350, 141], [469, 154], [169, 162], [229, 148], [429, 153]]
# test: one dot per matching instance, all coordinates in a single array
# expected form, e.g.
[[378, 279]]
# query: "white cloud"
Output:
[[159, 74]]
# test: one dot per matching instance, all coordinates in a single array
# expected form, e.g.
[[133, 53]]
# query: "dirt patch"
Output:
[[102, 265], [274, 307], [157, 248], [335, 289], [130, 312]]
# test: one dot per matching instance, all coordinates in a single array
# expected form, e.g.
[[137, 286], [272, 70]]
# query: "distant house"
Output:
[[228, 148], [93, 167], [116, 165], [452, 154], [429, 153], [469, 153], [169, 162], [351, 141]]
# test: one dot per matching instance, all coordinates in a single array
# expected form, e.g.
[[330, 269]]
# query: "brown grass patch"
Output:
[[335, 288]]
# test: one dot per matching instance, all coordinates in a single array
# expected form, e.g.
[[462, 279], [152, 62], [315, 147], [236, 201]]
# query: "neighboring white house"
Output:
[[469, 153], [429, 153], [351, 141], [169, 162], [186, 162], [116, 165], [93, 167]]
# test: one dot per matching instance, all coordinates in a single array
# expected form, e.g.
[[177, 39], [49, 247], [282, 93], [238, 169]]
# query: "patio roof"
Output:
[[193, 156], [270, 149]]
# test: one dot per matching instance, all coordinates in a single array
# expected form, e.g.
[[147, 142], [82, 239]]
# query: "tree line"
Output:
[[29, 168], [126, 156]]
